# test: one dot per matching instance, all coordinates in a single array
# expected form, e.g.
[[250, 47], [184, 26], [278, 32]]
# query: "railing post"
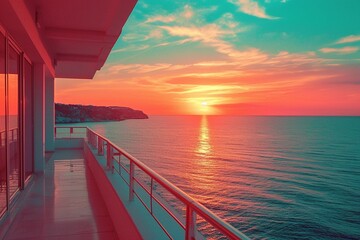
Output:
[[55, 132], [90, 138], [109, 156], [131, 181], [190, 223], [93, 140], [100, 146], [71, 131], [119, 163], [151, 195]]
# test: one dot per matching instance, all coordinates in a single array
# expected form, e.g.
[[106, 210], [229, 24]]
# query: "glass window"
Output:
[[13, 119], [16, 111], [3, 183]]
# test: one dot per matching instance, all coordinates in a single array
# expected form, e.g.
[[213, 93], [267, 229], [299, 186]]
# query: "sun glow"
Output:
[[202, 105], [205, 108]]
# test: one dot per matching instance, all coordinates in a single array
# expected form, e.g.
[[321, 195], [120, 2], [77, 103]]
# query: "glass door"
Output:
[[28, 120], [3, 181], [16, 120], [13, 135]]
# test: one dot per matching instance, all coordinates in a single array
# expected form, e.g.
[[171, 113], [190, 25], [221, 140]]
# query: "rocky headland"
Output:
[[72, 113]]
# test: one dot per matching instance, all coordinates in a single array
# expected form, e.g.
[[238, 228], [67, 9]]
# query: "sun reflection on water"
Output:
[[203, 172], [204, 146]]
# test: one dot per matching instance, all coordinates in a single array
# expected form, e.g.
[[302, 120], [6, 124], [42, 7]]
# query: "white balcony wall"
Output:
[[39, 118], [49, 115]]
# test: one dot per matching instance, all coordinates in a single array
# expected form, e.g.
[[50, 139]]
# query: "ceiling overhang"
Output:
[[72, 37]]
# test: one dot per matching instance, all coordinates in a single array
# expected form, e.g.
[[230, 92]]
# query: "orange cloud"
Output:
[[344, 50], [349, 39], [252, 7], [159, 18]]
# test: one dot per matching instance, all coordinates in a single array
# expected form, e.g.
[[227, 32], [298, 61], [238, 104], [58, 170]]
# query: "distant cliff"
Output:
[[70, 113]]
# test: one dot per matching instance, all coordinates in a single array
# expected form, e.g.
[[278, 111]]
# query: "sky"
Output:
[[231, 57]]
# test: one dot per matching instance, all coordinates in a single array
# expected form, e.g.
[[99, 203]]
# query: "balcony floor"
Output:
[[65, 203]]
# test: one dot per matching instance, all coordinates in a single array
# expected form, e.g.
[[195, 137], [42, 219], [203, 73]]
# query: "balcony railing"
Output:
[[145, 184], [70, 132], [12, 136]]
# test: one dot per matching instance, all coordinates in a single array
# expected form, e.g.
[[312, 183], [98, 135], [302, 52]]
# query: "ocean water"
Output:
[[270, 177]]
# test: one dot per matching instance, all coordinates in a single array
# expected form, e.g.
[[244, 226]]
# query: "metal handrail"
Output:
[[71, 130], [193, 207]]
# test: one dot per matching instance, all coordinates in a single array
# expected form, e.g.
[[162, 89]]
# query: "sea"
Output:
[[269, 177]]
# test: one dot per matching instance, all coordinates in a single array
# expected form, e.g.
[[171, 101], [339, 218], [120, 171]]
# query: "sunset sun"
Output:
[[204, 104]]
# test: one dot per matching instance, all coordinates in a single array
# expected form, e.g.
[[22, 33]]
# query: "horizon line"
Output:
[[254, 115]]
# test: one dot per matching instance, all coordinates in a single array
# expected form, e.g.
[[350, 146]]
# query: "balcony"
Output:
[[93, 189]]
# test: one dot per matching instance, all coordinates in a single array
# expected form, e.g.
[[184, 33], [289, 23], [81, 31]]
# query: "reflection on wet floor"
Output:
[[65, 203]]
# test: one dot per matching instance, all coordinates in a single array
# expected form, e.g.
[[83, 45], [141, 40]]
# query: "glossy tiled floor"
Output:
[[65, 203]]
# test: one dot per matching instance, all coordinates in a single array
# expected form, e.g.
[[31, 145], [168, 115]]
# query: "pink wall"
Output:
[[123, 224]]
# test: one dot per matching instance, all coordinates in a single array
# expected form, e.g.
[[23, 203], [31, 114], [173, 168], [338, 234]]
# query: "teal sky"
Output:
[[295, 26], [277, 57]]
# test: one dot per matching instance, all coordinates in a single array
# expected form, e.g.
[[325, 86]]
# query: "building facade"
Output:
[[40, 41]]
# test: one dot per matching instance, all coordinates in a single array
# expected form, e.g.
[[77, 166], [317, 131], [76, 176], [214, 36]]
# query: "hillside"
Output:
[[71, 113]]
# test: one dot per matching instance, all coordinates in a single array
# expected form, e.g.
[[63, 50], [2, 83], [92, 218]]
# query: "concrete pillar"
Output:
[[39, 118], [49, 115]]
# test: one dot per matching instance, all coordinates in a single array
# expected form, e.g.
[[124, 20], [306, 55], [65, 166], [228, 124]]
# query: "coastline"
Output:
[[74, 113]]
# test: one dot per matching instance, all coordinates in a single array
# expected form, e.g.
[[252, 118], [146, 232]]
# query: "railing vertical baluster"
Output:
[[120, 164], [92, 139], [109, 155], [100, 146], [151, 195], [71, 131], [94, 144], [55, 131], [85, 134], [190, 223], [131, 181], [91, 135]]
